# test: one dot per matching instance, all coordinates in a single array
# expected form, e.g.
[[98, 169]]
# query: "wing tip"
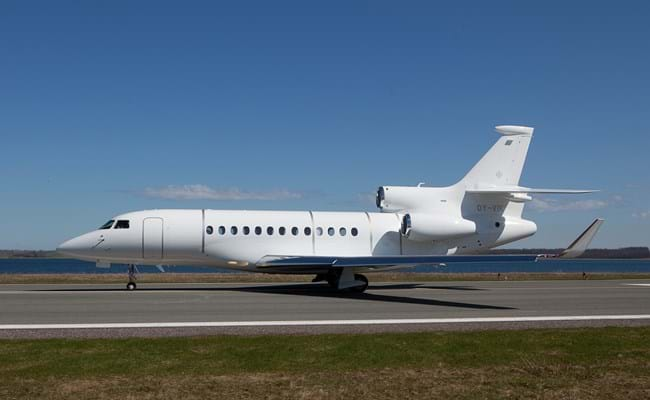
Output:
[[580, 244]]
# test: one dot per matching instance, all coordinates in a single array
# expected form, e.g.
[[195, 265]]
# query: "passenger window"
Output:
[[246, 230], [122, 224], [354, 231], [269, 230], [209, 230], [330, 231], [342, 232], [294, 231], [307, 231], [222, 230], [258, 230], [282, 230], [319, 231], [107, 225], [233, 230]]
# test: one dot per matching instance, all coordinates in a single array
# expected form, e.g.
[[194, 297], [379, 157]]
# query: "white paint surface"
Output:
[[222, 324]]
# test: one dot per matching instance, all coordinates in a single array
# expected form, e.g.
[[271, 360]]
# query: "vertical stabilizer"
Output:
[[503, 163]]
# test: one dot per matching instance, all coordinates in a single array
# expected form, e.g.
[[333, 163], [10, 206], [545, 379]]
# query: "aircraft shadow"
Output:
[[326, 291], [319, 290], [384, 286]]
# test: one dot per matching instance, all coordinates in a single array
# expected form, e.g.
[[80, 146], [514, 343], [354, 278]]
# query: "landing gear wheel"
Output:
[[361, 288], [133, 275], [333, 283]]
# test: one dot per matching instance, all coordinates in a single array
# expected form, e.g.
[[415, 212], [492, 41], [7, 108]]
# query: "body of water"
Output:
[[66, 266]]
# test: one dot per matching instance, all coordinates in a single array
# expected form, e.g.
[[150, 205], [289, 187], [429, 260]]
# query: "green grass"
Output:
[[612, 362]]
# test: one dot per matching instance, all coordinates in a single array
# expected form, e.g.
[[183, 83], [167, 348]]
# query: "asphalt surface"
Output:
[[624, 302]]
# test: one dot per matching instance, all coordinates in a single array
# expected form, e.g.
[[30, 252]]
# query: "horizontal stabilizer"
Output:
[[522, 189]]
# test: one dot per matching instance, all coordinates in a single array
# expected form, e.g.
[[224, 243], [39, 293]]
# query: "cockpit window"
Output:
[[107, 225], [122, 224]]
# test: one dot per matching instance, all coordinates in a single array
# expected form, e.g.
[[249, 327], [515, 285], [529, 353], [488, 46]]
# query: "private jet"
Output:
[[415, 225]]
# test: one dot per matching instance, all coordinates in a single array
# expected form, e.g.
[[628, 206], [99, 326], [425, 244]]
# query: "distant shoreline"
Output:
[[20, 254]]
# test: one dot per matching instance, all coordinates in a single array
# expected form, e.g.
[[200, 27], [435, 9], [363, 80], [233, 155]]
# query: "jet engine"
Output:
[[401, 198], [429, 227]]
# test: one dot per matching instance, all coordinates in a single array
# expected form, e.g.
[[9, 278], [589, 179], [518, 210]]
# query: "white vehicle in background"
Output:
[[416, 225]]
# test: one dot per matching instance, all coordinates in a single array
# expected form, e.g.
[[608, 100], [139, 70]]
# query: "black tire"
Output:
[[131, 286], [362, 288]]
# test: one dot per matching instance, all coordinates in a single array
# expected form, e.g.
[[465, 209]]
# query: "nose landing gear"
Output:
[[133, 271]]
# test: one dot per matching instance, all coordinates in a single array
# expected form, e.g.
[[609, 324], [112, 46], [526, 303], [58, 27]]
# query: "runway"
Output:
[[203, 309]]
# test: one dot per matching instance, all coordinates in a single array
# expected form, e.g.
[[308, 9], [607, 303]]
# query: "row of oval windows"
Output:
[[281, 230]]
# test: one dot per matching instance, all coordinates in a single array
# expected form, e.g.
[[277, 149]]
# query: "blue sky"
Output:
[[108, 107]]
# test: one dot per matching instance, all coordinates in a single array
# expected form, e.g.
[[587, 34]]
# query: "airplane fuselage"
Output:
[[239, 239]]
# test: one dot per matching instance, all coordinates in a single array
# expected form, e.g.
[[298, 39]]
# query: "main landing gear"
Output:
[[361, 288], [133, 271], [344, 281]]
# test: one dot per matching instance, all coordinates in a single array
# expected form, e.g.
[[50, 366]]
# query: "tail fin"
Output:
[[503, 163]]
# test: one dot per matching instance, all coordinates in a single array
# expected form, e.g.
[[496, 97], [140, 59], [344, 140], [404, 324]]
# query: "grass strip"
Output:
[[566, 363]]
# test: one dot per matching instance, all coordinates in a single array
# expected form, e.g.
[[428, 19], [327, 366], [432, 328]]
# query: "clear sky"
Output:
[[114, 106]]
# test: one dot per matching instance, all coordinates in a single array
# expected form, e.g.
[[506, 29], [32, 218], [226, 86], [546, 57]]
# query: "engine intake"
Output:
[[400, 198]]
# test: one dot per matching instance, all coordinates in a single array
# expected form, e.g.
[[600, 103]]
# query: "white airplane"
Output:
[[416, 225]]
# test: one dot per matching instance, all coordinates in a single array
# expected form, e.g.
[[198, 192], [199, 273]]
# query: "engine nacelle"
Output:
[[429, 227], [406, 198], [516, 229]]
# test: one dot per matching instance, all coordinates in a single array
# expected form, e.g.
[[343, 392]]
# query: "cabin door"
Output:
[[152, 238]]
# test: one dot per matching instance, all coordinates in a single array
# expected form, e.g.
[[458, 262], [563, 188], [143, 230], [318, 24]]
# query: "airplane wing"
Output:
[[578, 246], [322, 264], [317, 264], [522, 189]]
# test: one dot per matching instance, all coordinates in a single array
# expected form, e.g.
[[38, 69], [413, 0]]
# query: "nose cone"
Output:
[[78, 247], [71, 247]]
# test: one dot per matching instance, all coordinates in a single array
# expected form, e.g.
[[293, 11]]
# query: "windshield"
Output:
[[122, 224], [107, 225]]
